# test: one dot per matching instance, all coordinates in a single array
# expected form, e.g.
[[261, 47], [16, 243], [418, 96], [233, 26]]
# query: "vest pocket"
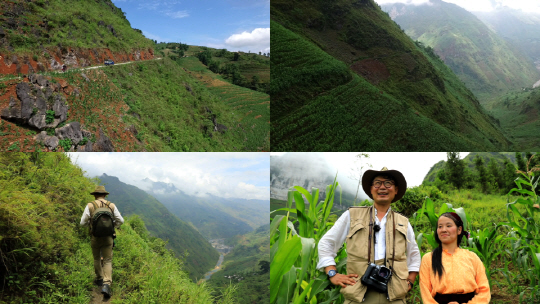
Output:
[[398, 286], [354, 292], [356, 240]]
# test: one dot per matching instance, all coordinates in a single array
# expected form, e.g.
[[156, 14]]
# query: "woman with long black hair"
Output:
[[449, 274]]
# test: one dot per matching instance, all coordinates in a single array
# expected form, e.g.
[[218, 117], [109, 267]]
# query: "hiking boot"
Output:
[[106, 290], [98, 282]]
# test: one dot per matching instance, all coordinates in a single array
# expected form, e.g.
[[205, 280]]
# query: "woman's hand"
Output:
[[343, 279]]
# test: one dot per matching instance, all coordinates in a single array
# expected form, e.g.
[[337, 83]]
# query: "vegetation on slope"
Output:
[[486, 63], [46, 255], [345, 76], [518, 113], [504, 234], [247, 266], [187, 243], [29, 26]]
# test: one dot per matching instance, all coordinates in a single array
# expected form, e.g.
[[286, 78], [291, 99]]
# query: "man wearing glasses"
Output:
[[383, 259]]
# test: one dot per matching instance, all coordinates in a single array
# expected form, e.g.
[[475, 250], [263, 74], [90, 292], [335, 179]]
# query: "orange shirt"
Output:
[[463, 273]]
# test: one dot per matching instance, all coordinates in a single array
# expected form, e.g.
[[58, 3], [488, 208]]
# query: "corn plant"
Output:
[[525, 234], [293, 274]]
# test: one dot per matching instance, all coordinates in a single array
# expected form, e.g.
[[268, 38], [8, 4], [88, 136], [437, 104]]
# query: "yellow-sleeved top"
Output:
[[463, 273]]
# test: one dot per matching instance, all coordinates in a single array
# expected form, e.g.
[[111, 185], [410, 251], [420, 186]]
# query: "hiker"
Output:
[[102, 216], [382, 255], [449, 274]]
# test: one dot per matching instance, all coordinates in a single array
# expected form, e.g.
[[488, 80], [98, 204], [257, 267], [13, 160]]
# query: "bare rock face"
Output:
[[137, 55], [50, 142], [55, 65], [70, 59], [70, 131], [31, 105], [103, 144]]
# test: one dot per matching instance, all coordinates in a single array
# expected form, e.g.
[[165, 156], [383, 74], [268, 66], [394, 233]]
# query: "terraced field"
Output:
[[251, 108]]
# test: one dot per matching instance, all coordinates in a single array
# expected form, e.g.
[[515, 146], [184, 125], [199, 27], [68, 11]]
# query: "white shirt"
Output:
[[332, 241], [118, 219]]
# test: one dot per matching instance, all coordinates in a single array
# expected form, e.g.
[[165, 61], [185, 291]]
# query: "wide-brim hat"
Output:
[[401, 183], [100, 190]]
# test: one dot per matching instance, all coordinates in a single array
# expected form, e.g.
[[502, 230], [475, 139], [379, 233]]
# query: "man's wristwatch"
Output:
[[410, 284], [331, 273]]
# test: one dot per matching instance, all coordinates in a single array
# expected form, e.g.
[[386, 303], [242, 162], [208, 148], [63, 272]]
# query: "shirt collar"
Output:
[[376, 218]]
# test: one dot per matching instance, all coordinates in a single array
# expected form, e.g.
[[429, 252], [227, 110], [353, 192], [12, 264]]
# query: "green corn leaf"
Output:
[[461, 212], [305, 193], [282, 262], [286, 289], [308, 244], [321, 282]]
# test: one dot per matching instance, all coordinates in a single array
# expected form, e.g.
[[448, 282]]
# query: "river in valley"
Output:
[[223, 249]]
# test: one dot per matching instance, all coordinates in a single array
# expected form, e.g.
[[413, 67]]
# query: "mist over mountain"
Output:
[[212, 216], [308, 170], [516, 26], [483, 60]]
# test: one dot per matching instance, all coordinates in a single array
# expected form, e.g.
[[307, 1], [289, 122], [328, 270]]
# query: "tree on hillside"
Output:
[[495, 172], [456, 169], [509, 175], [356, 170], [521, 164], [482, 174], [236, 56]]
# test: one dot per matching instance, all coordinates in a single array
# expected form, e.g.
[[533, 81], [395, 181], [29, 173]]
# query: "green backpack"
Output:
[[102, 220]]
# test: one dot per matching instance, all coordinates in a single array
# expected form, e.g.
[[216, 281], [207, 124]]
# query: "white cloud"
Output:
[[230, 175], [177, 15], [257, 40]]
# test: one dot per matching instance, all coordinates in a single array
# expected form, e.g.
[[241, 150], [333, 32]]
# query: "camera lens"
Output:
[[384, 273]]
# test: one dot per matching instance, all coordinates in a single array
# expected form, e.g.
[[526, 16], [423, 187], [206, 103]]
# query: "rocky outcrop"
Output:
[[36, 100], [103, 144], [70, 131]]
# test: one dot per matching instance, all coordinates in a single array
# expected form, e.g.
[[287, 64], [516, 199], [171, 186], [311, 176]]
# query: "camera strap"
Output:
[[370, 232]]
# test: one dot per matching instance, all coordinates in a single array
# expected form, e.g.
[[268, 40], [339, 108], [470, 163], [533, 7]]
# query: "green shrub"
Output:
[[49, 118]]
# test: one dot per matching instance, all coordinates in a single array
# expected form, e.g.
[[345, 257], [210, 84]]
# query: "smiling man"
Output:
[[383, 259]]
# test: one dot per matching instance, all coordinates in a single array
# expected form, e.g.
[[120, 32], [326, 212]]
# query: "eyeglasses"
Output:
[[378, 184]]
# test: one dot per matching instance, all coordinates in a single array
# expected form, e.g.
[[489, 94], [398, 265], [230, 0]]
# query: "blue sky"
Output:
[[232, 24], [230, 175]]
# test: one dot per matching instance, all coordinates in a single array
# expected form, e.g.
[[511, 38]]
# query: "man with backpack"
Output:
[[102, 216]]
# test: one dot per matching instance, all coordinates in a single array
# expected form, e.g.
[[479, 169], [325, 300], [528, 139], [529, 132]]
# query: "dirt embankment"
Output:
[[54, 59]]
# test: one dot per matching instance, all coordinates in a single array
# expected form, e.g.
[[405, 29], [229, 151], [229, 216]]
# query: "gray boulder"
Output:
[[39, 80], [60, 107], [38, 121], [71, 131], [103, 144], [51, 142], [13, 111], [55, 65]]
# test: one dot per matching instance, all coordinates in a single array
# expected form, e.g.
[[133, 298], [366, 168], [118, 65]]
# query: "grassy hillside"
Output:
[[343, 72], [251, 108], [246, 262], [182, 238], [518, 113], [487, 64], [30, 27], [46, 255], [153, 105], [518, 27]]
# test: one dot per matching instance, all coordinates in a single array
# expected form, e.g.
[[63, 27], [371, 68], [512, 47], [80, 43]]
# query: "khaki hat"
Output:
[[100, 190], [401, 183]]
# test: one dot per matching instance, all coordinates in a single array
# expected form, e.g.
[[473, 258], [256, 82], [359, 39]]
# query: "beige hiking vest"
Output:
[[357, 254]]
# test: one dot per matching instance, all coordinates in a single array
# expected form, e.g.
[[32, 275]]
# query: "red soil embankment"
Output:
[[53, 59]]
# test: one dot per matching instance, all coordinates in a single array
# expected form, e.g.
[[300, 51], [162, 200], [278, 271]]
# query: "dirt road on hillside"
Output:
[[88, 68]]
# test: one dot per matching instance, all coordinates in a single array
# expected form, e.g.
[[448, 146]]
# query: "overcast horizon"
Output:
[[229, 175], [527, 6]]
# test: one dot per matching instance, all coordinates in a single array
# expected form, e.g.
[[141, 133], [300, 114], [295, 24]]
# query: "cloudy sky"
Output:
[[237, 25], [230, 175], [413, 165], [479, 5]]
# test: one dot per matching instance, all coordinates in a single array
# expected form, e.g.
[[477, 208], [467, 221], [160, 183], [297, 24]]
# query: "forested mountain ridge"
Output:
[[46, 254], [214, 217], [484, 61], [181, 237], [344, 67]]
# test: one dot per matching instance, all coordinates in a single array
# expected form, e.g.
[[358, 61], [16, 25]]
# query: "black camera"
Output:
[[377, 277]]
